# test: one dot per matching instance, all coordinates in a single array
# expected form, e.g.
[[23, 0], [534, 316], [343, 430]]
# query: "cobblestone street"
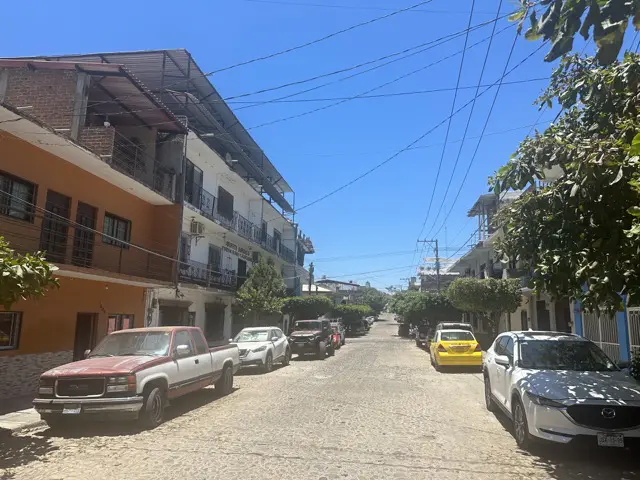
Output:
[[375, 410]]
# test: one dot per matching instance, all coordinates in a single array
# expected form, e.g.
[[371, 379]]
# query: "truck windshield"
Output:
[[133, 343], [252, 336], [308, 325]]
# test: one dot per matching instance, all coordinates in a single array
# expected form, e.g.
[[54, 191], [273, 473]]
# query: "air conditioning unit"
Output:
[[197, 228]]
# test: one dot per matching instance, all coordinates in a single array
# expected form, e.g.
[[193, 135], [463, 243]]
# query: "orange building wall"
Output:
[[153, 227], [49, 323]]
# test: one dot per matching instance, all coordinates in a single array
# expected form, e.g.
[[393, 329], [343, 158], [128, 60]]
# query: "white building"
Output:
[[236, 205]]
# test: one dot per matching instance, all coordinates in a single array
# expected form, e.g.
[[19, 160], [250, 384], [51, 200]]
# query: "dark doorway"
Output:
[[277, 240], [214, 322], [83, 237], [175, 316], [524, 320], [544, 320], [563, 316], [242, 272], [55, 227], [86, 324]]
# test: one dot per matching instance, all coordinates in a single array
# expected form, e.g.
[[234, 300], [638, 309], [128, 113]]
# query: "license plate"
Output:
[[611, 440], [71, 409]]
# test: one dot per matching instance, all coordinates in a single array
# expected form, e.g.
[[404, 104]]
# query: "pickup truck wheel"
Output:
[[322, 351], [287, 358], [268, 363], [153, 411], [224, 385]]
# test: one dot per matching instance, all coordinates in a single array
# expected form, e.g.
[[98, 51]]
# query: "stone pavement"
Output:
[[377, 410]]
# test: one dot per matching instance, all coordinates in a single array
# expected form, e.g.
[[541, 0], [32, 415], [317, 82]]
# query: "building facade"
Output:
[[97, 196], [235, 205]]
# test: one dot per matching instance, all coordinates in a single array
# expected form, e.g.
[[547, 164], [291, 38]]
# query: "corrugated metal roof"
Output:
[[162, 70]]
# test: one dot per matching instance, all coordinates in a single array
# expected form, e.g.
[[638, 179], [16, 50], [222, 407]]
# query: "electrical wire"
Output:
[[318, 40], [411, 144], [484, 128], [353, 7], [423, 47], [453, 106], [464, 135], [397, 79]]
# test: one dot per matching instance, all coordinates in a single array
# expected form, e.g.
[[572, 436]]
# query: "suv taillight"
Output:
[[442, 349]]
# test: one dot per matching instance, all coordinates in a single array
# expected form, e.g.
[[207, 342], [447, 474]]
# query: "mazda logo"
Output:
[[608, 413]]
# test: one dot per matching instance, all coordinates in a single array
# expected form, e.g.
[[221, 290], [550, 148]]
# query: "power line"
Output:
[[318, 40], [419, 49], [358, 257], [453, 106], [354, 7], [404, 149], [464, 135], [484, 128], [397, 79], [379, 95]]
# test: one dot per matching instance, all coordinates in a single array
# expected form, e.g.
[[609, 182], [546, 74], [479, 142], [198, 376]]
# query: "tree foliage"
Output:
[[351, 313], [264, 290], [423, 308], [310, 307], [372, 297], [580, 235], [23, 276], [558, 21], [486, 297]]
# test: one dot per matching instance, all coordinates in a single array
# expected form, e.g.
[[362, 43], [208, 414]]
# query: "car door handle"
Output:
[[197, 361]]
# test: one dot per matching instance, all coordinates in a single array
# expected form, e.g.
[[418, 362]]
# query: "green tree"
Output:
[[488, 298], [23, 276], [423, 308], [372, 297], [307, 307], [558, 21], [264, 290], [579, 235], [351, 313]]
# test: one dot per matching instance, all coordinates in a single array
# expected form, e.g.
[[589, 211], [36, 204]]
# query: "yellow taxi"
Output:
[[455, 348]]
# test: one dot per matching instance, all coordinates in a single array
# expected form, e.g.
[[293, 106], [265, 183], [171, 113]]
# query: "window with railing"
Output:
[[55, 226], [116, 228], [17, 197], [225, 204]]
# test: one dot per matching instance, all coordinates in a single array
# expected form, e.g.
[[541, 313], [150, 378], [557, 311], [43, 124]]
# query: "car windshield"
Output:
[[252, 336], [308, 325], [453, 336], [133, 343], [564, 355]]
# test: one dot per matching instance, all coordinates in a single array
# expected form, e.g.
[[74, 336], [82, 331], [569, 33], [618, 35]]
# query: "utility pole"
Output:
[[437, 260], [311, 270]]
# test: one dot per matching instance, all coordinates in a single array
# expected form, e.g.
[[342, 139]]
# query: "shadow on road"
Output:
[[16, 451], [251, 371], [572, 462]]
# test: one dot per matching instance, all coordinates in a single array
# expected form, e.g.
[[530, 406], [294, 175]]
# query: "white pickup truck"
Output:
[[133, 374]]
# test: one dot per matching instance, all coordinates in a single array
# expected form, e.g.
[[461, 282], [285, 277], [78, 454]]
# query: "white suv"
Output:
[[262, 347], [560, 387]]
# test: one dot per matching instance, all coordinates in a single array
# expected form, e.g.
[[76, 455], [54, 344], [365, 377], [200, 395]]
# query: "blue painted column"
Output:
[[577, 318], [623, 331]]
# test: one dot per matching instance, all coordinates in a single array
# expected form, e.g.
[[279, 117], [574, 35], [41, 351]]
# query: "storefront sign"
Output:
[[240, 252]]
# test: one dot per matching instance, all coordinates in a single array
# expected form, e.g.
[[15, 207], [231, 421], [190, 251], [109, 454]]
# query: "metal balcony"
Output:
[[207, 275]]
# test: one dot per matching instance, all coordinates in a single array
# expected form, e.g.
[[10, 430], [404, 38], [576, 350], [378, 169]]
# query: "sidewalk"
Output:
[[17, 414]]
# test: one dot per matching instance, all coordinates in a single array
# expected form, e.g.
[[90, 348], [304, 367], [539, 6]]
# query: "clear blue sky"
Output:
[[317, 153]]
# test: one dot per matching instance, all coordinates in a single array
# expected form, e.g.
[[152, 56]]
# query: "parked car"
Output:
[[312, 336], [421, 336], [336, 339], [455, 348], [357, 328], [262, 347], [132, 374], [454, 326], [561, 387], [341, 330]]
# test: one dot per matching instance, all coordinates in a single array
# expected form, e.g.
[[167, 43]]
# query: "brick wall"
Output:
[[97, 139], [50, 93], [19, 374]]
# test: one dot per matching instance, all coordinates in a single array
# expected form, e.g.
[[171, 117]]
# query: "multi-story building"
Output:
[[342, 292], [236, 205], [89, 172]]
